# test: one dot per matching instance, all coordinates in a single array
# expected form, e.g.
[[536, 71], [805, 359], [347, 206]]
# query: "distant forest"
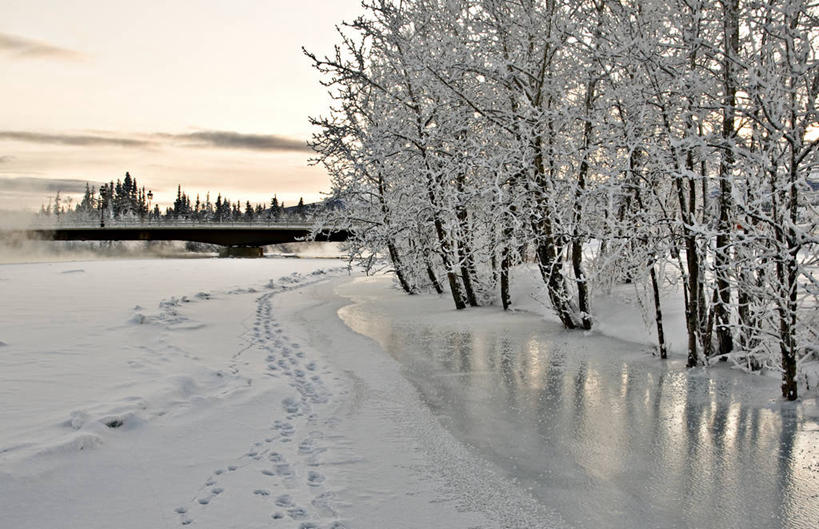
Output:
[[126, 199]]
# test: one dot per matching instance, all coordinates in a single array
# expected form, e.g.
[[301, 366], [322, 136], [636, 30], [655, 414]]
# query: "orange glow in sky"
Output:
[[209, 94]]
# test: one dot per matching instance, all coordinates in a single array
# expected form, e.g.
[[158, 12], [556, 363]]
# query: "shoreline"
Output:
[[279, 408]]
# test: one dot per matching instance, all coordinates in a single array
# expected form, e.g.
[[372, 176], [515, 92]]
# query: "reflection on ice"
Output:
[[608, 442]]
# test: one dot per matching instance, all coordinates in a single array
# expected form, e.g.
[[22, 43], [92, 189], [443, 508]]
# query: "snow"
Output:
[[214, 393], [235, 393], [617, 313]]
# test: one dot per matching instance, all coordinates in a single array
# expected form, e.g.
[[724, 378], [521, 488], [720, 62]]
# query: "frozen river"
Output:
[[598, 430], [230, 393]]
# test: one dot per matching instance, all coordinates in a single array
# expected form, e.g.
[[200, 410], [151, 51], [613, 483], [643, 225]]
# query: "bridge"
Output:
[[238, 238]]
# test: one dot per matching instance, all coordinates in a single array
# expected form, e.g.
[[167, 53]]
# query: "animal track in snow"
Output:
[[264, 470], [284, 470], [284, 501], [314, 479]]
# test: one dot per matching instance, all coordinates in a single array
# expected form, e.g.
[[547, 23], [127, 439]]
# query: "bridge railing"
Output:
[[68, 223]]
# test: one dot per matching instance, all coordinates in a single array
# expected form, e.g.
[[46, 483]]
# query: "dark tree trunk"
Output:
[[789, 269], [692, 274], [506, 252], [433, 278], [658, 314], [577, 209], [549, 249], [690, 270], [708, 338], [463, 247], [721, 256], [454, 285], [550, 265], [655, 285], [466, 278], [580, 280], [789, 274], [394, 255], [443, 241], [446, 251], [748, 326], [506, 263], [399, 271], [692, 310]]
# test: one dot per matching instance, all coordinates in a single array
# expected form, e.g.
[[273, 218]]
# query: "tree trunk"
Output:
[[443, 241], [721, 255], [658, 313], [396, 258], [708, 337], [433, 278], [580, 280], [577, 208], [506, 264], [692, 273], [549, 248], [506, 251], [446, 251], [550, 265], [398, 267], [787, 273], [789, 276], [454, 285], [463, 247]]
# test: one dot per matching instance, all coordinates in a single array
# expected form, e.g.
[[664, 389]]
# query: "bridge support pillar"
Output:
[[241, 251]]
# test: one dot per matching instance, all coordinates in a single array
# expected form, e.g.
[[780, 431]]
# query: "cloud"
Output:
[[76, 140], [200, 139], [43, 185], [6, 159], [24, 48], [237, 140]]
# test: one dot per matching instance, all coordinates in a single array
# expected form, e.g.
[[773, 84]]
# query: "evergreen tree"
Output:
[[300, 208], [86, 205], [57, 204], [275, 208], [217, 214]]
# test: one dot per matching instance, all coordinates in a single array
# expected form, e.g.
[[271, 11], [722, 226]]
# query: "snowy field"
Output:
[[160, 393], [233, 393]]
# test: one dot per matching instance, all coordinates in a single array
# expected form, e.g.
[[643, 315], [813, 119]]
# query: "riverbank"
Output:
[[233, 393]]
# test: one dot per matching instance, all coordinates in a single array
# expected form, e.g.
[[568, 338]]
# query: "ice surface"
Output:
[[595, 427]]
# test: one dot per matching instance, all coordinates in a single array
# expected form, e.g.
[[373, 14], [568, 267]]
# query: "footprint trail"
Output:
[[280, 472]]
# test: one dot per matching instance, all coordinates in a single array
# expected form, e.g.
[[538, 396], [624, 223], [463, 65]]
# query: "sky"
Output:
[[212, 95]]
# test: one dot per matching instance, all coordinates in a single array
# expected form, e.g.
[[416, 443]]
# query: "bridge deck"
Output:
[[224, 235]]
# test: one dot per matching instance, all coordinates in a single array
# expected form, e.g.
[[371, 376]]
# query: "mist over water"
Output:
[[29, 250], [606, 436], [16, 220], [18, 248]]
